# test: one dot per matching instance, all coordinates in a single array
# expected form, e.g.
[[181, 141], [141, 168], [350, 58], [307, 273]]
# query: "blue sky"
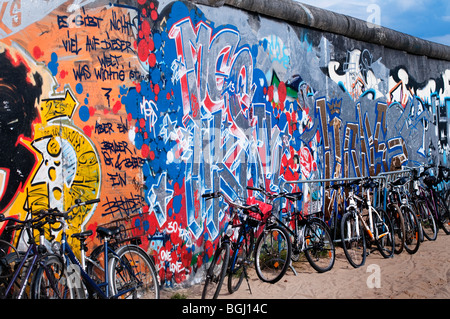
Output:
[[426, 19]]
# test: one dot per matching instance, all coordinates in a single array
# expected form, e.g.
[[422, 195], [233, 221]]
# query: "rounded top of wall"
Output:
[[328, 21]]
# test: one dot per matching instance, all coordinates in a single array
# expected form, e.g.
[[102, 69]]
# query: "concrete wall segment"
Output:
[[149, 104], [324, 20]]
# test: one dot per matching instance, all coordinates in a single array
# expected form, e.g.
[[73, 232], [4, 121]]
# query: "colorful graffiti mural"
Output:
[[147, 105]]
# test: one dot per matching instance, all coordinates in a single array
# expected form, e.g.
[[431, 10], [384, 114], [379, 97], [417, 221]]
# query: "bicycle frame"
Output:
[[31, 250], [71, 260], [369, 228], [233, 213], [273, 219], [36, 258], [237, 212], [353, 203], [298, 233], [401, 196], [87, 280], [429, 194], [241, 238], [430, 202]]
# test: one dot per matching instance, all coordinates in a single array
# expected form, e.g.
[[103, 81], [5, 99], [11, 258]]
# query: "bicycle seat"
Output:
[[399, 181], [107, 232], [430, 181], [370, 184], [82, 235], [294, 196]]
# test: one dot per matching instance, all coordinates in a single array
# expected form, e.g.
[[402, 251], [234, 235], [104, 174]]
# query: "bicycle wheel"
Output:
[[216, 272], [50, 280], [383, 233], [239, 261], [9, 259], [429, 226], [444, 215], [399, 227], [412, 230], [447, 198], [272, 254], [95, 265], [132, 274], [353, 239], [10, 263], [319, 251]]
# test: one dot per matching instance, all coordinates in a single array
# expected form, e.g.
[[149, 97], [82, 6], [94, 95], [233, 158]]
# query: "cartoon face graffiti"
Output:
[[19, 91]]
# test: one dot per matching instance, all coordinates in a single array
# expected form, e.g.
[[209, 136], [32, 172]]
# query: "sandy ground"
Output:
[[424, 275]]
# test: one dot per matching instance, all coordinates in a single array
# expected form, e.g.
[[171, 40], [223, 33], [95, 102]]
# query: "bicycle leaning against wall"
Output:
[[362, 219], [238, 238], [430, 198], [444, 188], [128, 271], [22, 270], [429, 228], [398, 202], [310, 235]]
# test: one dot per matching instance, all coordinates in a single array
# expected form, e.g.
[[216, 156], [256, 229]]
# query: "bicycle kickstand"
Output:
[[292, 268], [246, 279]]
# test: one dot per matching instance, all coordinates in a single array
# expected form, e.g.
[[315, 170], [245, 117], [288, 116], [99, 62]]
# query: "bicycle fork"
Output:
[[358, 216], [17, 272], [244, 266]]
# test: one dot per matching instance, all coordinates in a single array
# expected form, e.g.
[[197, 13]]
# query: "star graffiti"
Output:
[[158, 198]]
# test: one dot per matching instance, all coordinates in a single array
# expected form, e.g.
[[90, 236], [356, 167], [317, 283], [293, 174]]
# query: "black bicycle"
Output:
[[22, 270], [363, 225], [429, 196], [238, 238], [407, 227], [310, 235]]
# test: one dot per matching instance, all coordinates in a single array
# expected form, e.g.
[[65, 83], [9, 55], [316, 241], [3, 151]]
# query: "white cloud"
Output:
[[408, 5], [352, 8], [402, 15], [444, 39]]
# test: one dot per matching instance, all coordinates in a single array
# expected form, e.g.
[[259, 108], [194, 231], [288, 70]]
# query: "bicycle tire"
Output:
[[320, 250], [412, 230], [384, 233], [52, 269], [11, 263], [216, 272], [447, 197], [76, 283], [444, 215], [131, 269], [272, 254], [353, 239], [95, 265], [398, 223], [9, 259], [238, 261], [428, 222]]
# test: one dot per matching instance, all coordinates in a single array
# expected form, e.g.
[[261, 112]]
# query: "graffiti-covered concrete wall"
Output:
[[146, 105]]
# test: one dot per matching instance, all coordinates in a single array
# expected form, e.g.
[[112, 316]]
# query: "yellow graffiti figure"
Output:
[[67, 164], [70, 167]]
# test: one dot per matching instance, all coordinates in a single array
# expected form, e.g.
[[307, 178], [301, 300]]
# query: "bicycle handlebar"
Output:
[[41, 214], [266, 193], [366, 182], [80, 203], [245, 208], [291, 196], [211, 195]]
